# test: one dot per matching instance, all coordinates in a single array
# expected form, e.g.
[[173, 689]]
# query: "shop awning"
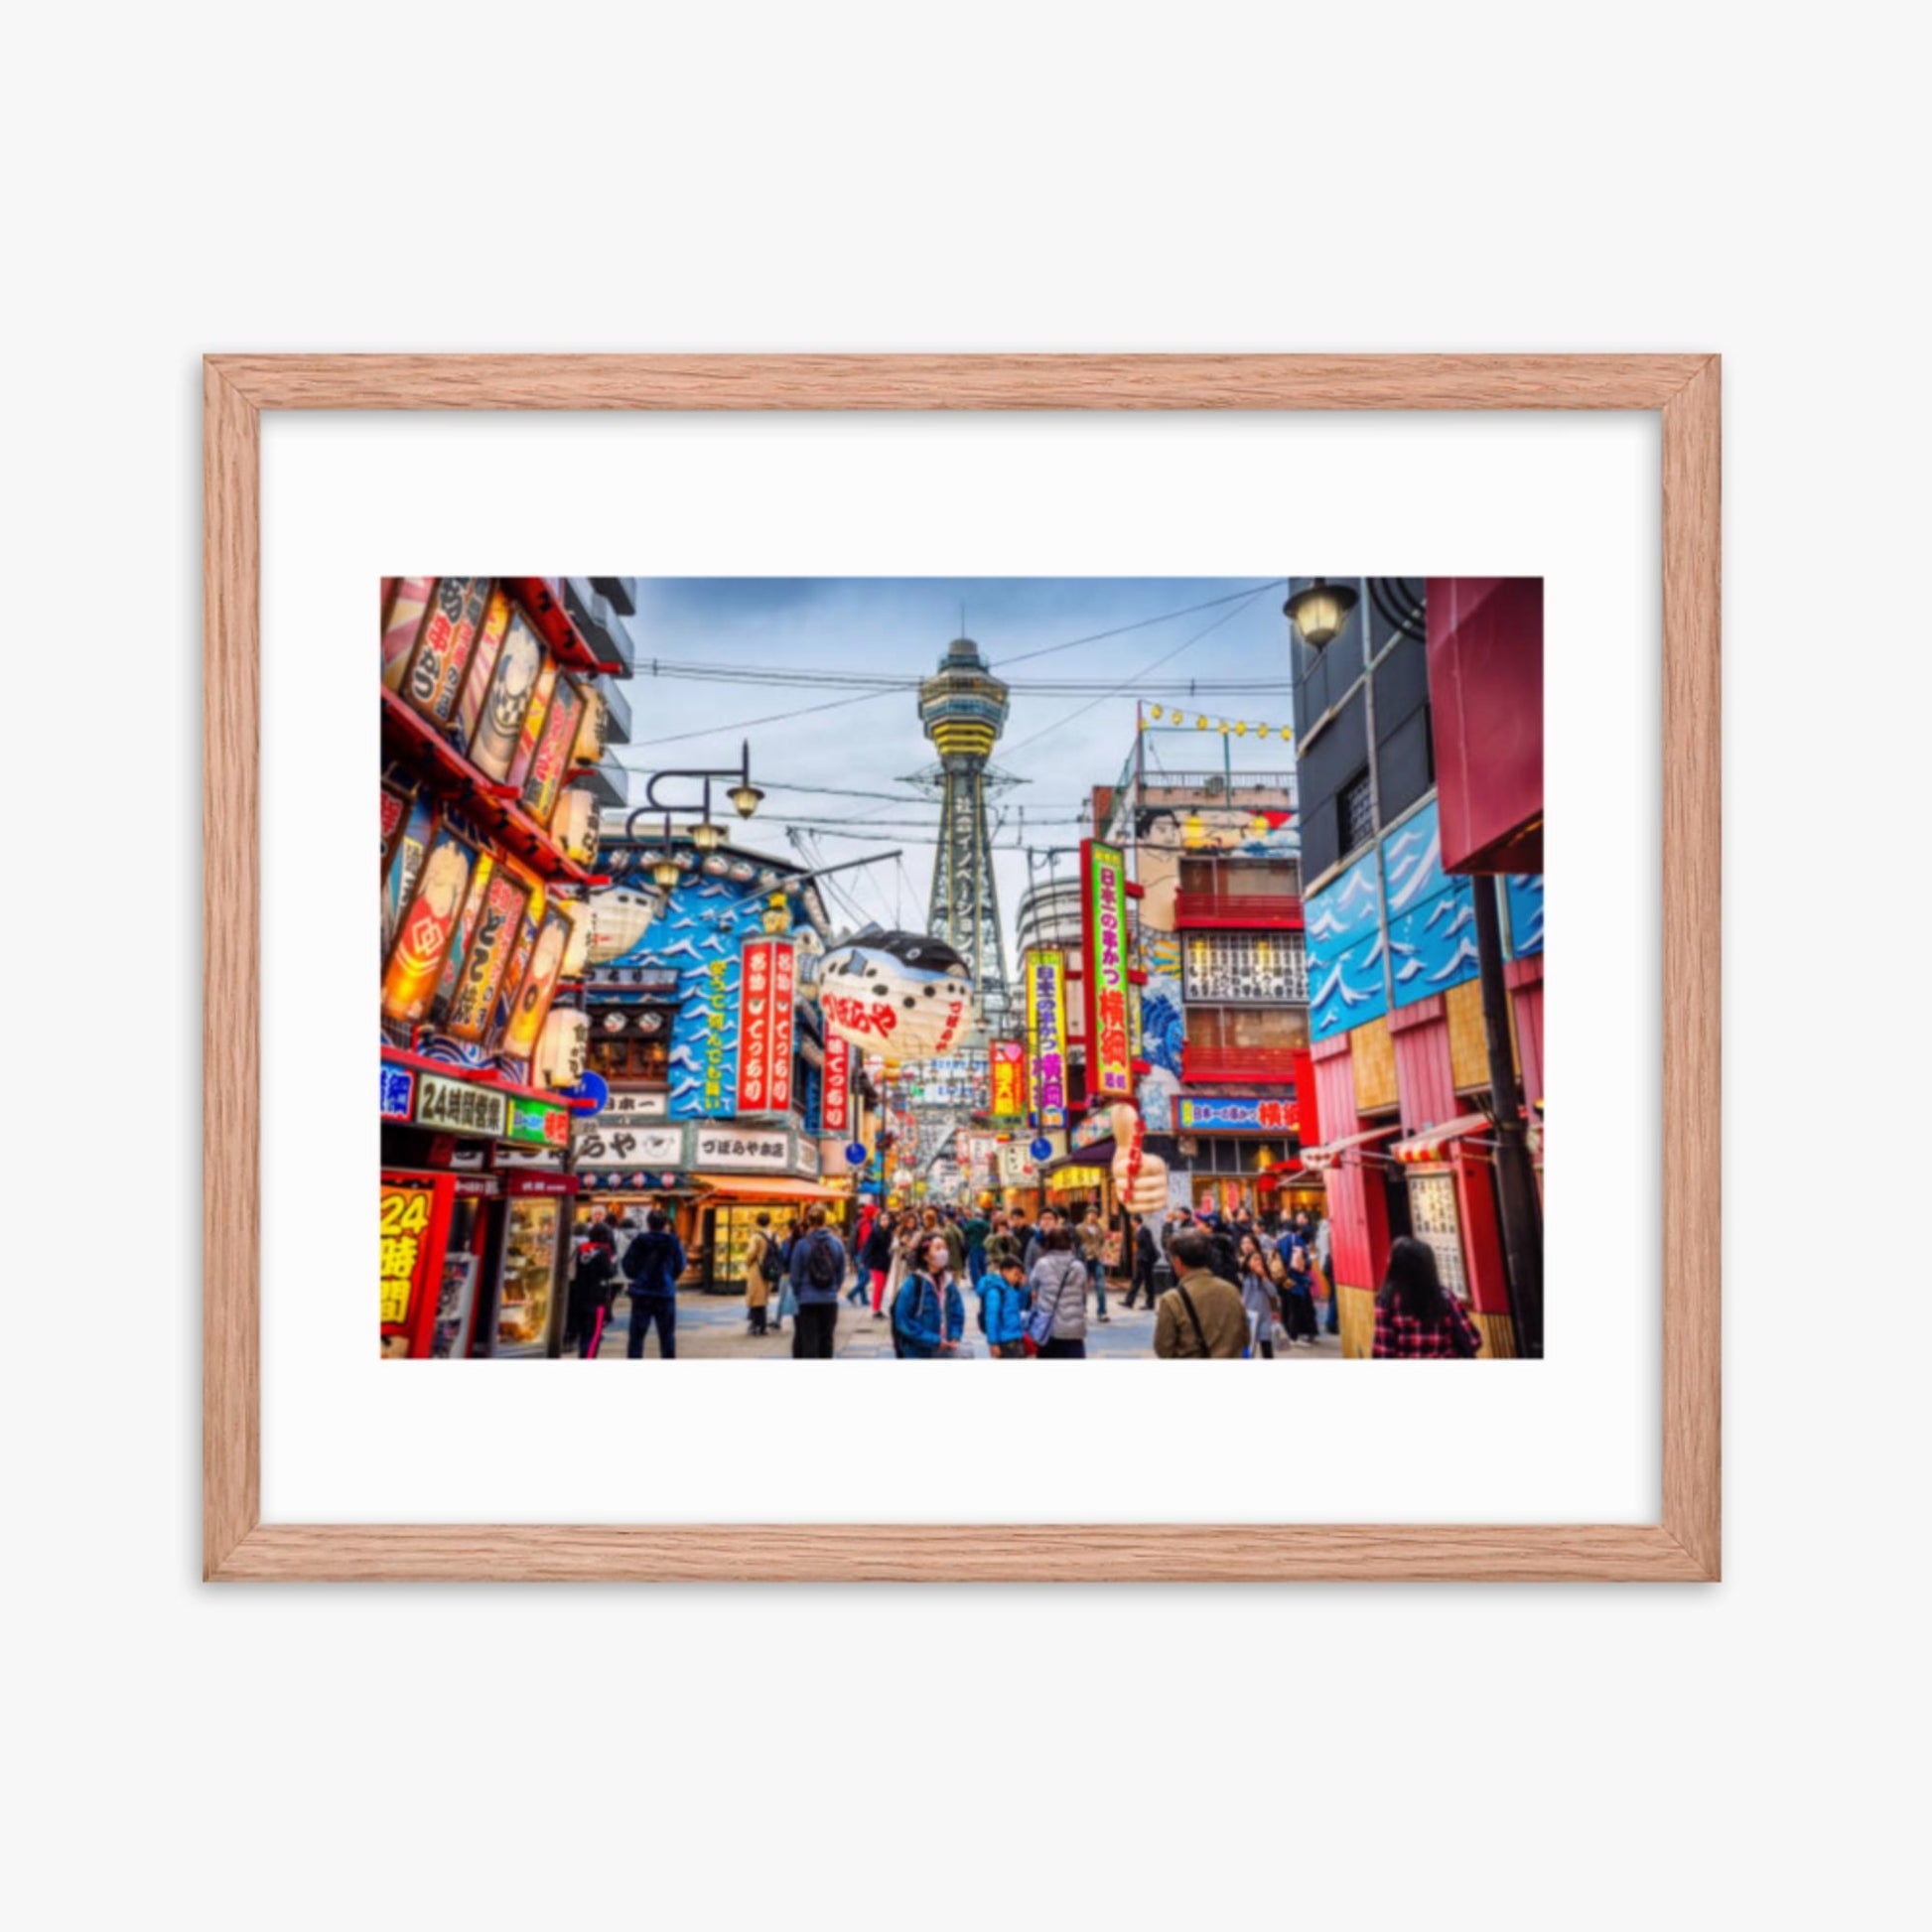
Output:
[[1434, 1143], [1096, 1154], [737, 1187], [1325, 1156]]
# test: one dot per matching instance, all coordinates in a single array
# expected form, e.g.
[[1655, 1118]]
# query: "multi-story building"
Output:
[[1418, 711], [727, 1099], [494, 713], [1226, 1086]]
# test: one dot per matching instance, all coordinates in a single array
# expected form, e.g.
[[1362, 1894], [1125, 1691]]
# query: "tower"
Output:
[[963, 708]]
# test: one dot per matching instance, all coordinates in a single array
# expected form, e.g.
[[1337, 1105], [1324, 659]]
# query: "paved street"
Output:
[[712, 1327]]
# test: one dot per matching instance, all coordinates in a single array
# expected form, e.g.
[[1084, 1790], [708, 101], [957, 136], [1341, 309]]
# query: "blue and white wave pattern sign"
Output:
[[1344, 945], [700, 934], [1432, 913], [1525, 892]]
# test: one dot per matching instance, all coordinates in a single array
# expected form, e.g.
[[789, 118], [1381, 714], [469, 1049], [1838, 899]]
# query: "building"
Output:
[[727, 1100], [1420, 760], [494, 708], [1224, 1077]]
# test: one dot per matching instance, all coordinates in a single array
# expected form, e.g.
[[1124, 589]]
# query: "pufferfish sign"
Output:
[[903, 995]]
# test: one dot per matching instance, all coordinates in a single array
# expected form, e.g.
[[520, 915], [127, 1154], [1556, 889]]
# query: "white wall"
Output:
[[1475, 176]]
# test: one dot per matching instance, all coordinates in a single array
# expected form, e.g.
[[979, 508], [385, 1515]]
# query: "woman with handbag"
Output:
[[1058, 1325], [1260, 1294]]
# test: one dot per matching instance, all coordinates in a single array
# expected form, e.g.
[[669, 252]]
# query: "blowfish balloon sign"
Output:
[[903, 995]]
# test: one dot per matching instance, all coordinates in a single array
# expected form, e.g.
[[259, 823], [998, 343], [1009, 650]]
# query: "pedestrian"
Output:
[[856, 1293], [1415, 1317], [762, 1270], [1298, 1289], [1146, 1258], [1059, 1280], [1004, 1307], [653, 1262], [1201, 1316], [876, 1258], [1259, 1295], [976, 1228], [1037, 1244], [928, 1317], [1090, 1238], [1007, 1238], [817, 1273], [593, 1288], [1324, 1263]]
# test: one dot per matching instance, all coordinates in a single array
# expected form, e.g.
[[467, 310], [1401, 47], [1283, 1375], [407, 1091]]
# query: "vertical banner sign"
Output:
[[836, 1101], [547, 769], [405, 1247], [415, 965], [1008, 1078], [483, 667], [754, 1027], [764, 1021], [402, 622], [1046, 1034], [1110, 1065], [785, 966]]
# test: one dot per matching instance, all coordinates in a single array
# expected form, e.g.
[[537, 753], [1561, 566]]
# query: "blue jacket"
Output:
[[915, 1315], [808, 1295], [1005, 1307], [653, 1262]]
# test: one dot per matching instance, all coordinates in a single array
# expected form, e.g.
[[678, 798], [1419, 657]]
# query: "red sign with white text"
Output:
[[765, 1027]]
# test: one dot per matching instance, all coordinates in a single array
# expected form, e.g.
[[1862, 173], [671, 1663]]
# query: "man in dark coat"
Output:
[[593, 1288], [653, 1262]]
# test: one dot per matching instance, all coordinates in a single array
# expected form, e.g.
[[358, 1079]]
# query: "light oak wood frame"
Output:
[[1682, 1545]]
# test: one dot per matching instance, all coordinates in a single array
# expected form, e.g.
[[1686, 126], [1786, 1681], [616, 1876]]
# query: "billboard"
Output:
[[764, 1021], [1103, 924], [1046, 1034], [1008, 1059]]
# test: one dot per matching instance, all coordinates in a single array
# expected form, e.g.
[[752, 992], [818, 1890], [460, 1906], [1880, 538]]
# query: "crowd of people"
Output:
[[1220, 1287]]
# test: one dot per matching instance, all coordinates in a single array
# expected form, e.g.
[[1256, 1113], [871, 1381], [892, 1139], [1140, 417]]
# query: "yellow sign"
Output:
[[405, 1246]]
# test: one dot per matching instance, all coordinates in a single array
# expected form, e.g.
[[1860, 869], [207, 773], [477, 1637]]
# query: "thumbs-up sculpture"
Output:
[[1140, 1178]]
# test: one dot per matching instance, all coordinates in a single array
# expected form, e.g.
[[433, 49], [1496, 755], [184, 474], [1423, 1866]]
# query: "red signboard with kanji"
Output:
[[766, 981], [836, 1105]]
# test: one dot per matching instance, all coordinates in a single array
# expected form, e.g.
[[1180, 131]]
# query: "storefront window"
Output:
[[1247, 1029], [529, 1271], [647, 1061]]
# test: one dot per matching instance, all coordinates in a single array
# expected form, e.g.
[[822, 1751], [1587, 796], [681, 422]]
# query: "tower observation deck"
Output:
[[963, 708]]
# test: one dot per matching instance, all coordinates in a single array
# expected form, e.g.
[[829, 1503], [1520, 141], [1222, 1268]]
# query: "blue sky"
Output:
[[1057, 745]]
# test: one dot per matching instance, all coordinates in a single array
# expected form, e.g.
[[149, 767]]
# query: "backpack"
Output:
[[824, 1261]]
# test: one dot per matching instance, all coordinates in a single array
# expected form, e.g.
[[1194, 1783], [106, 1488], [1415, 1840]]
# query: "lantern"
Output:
[[905, 993], [588, 745], [620, 917], [562, 1046], [575, 825], [577, 949]]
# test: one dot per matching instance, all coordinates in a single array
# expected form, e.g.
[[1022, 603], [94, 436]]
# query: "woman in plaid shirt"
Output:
[[1415, 1317]]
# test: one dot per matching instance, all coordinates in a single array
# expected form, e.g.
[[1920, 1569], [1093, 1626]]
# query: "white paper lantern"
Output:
[[577, 949], [562, 1046], [575, 825]]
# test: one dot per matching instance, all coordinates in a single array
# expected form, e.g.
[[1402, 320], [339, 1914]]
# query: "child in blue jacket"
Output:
[[1005, 1303]]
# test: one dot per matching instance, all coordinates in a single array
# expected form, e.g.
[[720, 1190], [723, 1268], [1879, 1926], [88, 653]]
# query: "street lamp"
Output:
[[665, 869], [1320, 610], [706, 836], [746, 796]]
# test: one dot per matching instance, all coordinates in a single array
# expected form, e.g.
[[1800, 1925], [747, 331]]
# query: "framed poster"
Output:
[[1408, 907]]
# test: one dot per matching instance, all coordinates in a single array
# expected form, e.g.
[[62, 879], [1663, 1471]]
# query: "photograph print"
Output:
[[994, 969]]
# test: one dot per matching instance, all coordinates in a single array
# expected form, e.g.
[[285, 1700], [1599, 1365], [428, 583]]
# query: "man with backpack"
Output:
[[817, 1276]]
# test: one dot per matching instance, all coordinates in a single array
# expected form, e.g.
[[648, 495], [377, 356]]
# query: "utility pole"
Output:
[[1515, 1183]]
